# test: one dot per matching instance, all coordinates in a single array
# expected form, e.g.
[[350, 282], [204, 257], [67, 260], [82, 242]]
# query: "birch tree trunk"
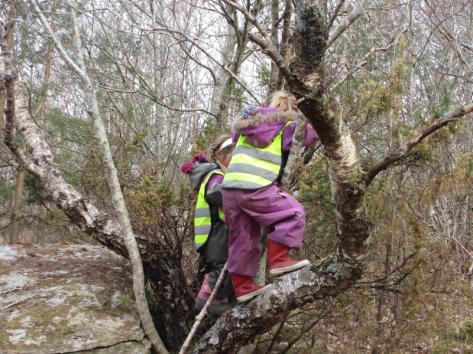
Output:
[[18, 193], [111, 176], [333, 275], [16, 206], [222, 79], [274, 73]]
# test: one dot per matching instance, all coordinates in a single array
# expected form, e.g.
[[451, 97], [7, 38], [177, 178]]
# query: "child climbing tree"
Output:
[[303, 72]]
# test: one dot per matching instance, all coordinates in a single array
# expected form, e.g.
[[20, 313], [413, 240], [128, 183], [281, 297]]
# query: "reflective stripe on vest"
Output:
[[252, 167], [202, 218]]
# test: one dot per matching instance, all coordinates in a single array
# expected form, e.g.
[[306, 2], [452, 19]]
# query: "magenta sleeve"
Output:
[[310, 136], [288, 135], [214, 180]]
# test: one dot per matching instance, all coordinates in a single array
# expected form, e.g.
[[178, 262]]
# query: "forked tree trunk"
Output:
[[343, 269], [167, 287], [332, 276]]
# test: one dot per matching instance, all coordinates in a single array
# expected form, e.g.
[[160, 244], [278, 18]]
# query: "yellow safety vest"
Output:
[[252, 167], [202, 217]]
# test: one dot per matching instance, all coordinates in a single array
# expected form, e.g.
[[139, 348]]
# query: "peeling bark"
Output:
[[167, 285], [307, 82], [238, 326], [305, 78]]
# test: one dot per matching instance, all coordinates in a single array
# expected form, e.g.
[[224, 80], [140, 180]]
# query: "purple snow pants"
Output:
[[245, 212]]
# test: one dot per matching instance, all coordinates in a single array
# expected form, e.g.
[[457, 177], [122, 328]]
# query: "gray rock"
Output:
[[67, 298]]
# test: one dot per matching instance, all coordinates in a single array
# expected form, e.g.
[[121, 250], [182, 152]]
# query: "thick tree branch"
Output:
[[160, 269], [239, 326], [401, 155]]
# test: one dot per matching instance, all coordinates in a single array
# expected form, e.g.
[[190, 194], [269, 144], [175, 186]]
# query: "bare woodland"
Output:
[[100, 101]]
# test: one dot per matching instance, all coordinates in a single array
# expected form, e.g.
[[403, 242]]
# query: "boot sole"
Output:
[[291, 268], [217, 310], [247, 297]]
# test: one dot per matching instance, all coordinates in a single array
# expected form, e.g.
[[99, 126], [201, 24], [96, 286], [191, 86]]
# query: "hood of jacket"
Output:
[[199, 171], [261, 128]]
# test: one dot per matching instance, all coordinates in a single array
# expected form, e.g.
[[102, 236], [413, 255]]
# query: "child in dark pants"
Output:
[[210, 233]]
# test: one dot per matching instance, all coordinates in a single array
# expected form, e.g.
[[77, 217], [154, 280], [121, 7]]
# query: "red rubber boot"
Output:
[[245, 289], [279, 261]]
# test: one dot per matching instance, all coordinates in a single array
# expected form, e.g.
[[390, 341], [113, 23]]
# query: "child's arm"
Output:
[[213, 193], [310, 135]]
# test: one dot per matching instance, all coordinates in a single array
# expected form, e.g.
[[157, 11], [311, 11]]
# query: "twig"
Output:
[[352, 16], [365, 59], [203, 312], [309, 327], [11, 290], [17, 302], [264, 41], [222, 66], [278, 332], [403, 153]]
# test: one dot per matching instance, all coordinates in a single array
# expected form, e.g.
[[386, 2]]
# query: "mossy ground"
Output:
[[73, 298]]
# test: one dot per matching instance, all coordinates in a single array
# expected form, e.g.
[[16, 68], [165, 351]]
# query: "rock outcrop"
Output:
[[67, 299]]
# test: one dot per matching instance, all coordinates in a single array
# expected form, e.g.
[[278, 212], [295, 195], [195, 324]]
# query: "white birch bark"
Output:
[[111, 175], [218, 104], [352, 16]]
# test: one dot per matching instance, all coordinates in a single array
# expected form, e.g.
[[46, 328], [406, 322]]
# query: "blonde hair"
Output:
[[283, 101], [214, 147]]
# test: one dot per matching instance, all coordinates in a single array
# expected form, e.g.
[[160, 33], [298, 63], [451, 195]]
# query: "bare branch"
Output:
[[203, 312], [365, 59], [211, 57], [47, 71], [451, 39], [335, 13], [58, 44], [264, 41], [352, 16], [403, 153]]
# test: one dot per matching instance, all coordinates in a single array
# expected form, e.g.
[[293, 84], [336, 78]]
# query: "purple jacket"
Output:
[[261, 129]]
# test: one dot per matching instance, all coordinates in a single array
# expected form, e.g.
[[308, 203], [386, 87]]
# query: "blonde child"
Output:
[[253, 198]]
